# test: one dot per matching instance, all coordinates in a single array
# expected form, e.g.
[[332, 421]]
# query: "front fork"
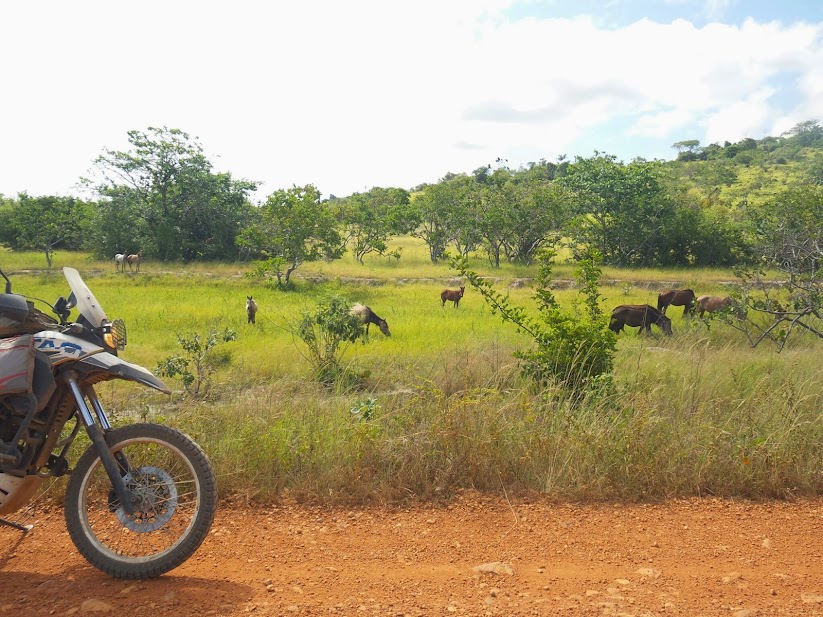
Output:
[[116, 465]]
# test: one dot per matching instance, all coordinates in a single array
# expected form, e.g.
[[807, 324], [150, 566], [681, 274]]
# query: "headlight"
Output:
[[114, 334]]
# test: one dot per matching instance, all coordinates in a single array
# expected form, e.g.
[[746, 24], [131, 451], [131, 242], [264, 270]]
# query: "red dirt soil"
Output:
[[692, 557]]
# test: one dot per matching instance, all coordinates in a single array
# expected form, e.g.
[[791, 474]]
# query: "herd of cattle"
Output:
[[641, 316], [634, 315], [644, 315]]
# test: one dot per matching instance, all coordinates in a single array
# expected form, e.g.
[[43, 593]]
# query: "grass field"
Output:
[[444, 406]]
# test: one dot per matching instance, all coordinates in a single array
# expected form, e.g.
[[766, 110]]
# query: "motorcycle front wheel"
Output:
[[177, 499]]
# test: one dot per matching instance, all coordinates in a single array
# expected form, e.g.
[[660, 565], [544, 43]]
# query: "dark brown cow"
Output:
[[676, 297], [639, 315]]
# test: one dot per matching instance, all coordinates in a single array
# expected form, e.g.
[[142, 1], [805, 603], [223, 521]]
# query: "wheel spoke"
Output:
[[152, 528]]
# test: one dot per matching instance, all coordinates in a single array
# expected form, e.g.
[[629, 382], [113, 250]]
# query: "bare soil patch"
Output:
[[691, 557]]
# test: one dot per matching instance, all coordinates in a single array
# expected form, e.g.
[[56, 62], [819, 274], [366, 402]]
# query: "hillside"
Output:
[[749, 171]]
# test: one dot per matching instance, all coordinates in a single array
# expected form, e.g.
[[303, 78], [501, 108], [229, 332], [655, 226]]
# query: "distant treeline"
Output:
[[163, 197]]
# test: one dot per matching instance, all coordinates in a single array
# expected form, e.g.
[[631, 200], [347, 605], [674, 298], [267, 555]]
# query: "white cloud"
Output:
[[715, 9], [348, 95]]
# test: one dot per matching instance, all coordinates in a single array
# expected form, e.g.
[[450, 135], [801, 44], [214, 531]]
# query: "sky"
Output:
[[348, 95]]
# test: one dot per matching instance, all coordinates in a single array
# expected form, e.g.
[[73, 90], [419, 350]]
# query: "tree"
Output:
[[293, 226], [212, 219], [165, 182], [432, 210], [688, 150], [116, 224], [44, 223], [449, 213], [621, 209], [538, 213], [789, 230], [806, 134], [370, 219], [494, 207], [462, 207]]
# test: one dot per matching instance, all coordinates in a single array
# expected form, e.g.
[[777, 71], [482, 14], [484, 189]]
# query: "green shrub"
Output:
[[196, 366], [573, 352], [326, 334]]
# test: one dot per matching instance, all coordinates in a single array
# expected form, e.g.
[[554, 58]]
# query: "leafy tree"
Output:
[[538, 213], [688, 150], [7, 206], [494, 211], [116, 224], [216, 217], [621, 209], [165, 182], [432, 207], [542, 170], [806, 134], [689, 145], [462, 207], [45, 223], [293, 226], [703, 237], [370, 219]]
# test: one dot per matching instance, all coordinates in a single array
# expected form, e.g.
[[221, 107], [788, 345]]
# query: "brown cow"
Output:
[[712, 304], [451, 294], [134, 260]]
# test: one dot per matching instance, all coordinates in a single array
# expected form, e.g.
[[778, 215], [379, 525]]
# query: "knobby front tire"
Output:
[[178, 499]]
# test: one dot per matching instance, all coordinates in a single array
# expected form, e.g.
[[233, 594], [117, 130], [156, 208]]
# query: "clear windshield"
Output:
[[87, 304]]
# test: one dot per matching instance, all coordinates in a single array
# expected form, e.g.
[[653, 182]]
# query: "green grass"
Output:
[[697, 413]]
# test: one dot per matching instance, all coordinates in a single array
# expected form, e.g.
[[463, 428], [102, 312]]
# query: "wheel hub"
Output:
[[154, 495]]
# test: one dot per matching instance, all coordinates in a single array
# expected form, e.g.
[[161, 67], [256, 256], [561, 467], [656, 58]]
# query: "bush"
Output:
[[326, 335], [572, 352], [199, 357]]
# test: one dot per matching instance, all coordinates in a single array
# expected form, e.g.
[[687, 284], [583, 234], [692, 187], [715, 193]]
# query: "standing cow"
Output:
[[251, 309], [677, 297], [713, 304], [453, 295]]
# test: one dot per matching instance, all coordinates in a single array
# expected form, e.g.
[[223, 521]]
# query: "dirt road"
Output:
[[701, 557]]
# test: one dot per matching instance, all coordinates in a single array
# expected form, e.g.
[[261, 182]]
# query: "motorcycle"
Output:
[[142, 498]]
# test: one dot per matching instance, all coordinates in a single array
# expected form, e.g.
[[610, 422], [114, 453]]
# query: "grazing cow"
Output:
[[368, 316], [676, 297], [120, 262], [251, 309], [712, 304], [639, 315], [451, 294], [134, 260]]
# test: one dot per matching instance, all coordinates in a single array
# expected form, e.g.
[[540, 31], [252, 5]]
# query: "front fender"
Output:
[[124, 370]]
